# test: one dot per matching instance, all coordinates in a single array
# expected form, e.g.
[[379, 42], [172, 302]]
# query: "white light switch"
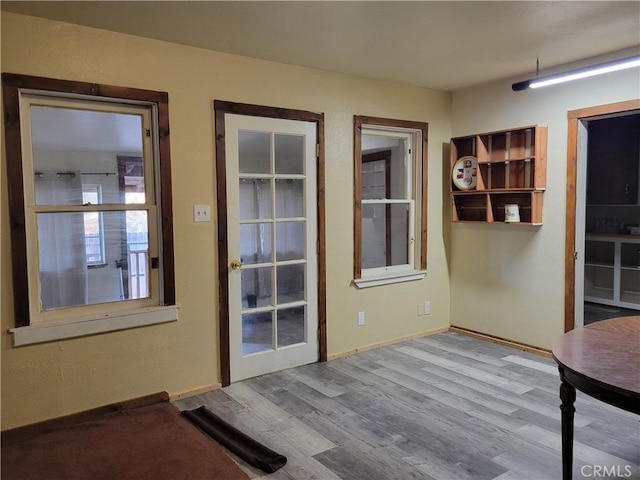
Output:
[[202, 213]]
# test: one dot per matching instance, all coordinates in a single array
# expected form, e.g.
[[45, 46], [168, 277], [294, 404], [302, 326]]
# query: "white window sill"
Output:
[[390, 278], [50, 332]]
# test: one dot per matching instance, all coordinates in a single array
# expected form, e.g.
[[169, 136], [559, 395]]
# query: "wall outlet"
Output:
[[427, 307], [360, 319], [202, 213]]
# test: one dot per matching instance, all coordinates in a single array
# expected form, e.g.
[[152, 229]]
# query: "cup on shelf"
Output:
[[511, 213]]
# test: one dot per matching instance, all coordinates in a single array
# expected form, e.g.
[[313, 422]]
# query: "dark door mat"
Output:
[[245, 447]]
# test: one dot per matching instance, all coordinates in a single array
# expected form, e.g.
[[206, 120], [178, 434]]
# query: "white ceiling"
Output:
[[446, 45]]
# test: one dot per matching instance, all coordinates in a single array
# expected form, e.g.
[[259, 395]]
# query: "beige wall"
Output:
[[508, 280], [58, 378]]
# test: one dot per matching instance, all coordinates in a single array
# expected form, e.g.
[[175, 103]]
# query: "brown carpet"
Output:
[[150, 442]]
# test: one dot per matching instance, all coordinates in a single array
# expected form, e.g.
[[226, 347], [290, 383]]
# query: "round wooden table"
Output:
[[603, 361]]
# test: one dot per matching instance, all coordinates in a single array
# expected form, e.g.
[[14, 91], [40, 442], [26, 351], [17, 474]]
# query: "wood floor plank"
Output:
[[476, 356], [529, 466], [351, 466], [307, 440], [426, 383], [471, 372], [536, 365], [319, 381], [445, 407], [580, 451], [506, 370]]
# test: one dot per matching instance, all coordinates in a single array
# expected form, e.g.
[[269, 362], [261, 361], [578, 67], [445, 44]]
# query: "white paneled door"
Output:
[[272, 244]]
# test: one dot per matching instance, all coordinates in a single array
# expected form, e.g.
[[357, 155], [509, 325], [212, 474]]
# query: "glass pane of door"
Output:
[[255, 198], [257, 332], [254, 152], [291, 326], [289, 150]]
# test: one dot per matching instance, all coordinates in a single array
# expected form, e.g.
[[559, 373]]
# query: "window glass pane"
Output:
[[256, 287], [255, 243], [384, 169], [254, 152], [257, 332], [255, 198], [136, 272], [289, 153], [289, 198], [93, 243], [91, 194], [70, 145], [374, 180], [93, 229], [290, 241], [291, 326], [130, 182], [65, 280], [385, 235], [290, 283], [93, 238]]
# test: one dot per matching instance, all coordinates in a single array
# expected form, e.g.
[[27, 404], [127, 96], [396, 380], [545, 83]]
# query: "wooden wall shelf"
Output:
[[512, 169]]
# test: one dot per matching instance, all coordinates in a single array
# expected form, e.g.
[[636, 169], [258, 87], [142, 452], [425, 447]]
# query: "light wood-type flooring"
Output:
[[446, 406]]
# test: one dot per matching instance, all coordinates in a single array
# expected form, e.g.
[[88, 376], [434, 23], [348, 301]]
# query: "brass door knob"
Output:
[[236, 264]]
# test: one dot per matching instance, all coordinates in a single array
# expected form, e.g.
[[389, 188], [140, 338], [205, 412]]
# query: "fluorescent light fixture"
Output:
[[598, 69]]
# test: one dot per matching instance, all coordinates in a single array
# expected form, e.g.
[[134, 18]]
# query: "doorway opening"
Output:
[[603, 214]]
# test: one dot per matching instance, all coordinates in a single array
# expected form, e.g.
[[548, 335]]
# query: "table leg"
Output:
[[568, 397]]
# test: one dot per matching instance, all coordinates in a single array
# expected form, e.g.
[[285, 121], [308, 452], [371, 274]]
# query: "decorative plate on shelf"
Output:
[[465, 173]]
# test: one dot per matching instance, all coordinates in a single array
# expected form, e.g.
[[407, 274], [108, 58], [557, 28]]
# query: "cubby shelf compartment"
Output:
[[512, 169], [488, 206]]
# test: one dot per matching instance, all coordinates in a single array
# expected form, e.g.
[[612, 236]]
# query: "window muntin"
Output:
[[390, 223], [65, 141]]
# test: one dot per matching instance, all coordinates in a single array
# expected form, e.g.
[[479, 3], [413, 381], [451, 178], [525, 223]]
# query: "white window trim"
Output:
[[393, 277], [38, 316], [85, 326]]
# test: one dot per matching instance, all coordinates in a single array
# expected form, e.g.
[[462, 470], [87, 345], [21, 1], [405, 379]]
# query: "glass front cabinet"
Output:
[[612, 270]]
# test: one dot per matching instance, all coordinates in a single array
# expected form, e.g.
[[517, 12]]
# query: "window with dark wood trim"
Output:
[[16, 86], [416, 175]]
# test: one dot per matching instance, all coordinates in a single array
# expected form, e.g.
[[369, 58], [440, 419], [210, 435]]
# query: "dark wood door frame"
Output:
[[574, 117], [221, 108]]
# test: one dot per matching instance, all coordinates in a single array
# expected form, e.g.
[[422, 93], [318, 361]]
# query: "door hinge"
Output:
[[575, 255], [155, 262], [317, 150], [147, 132]]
